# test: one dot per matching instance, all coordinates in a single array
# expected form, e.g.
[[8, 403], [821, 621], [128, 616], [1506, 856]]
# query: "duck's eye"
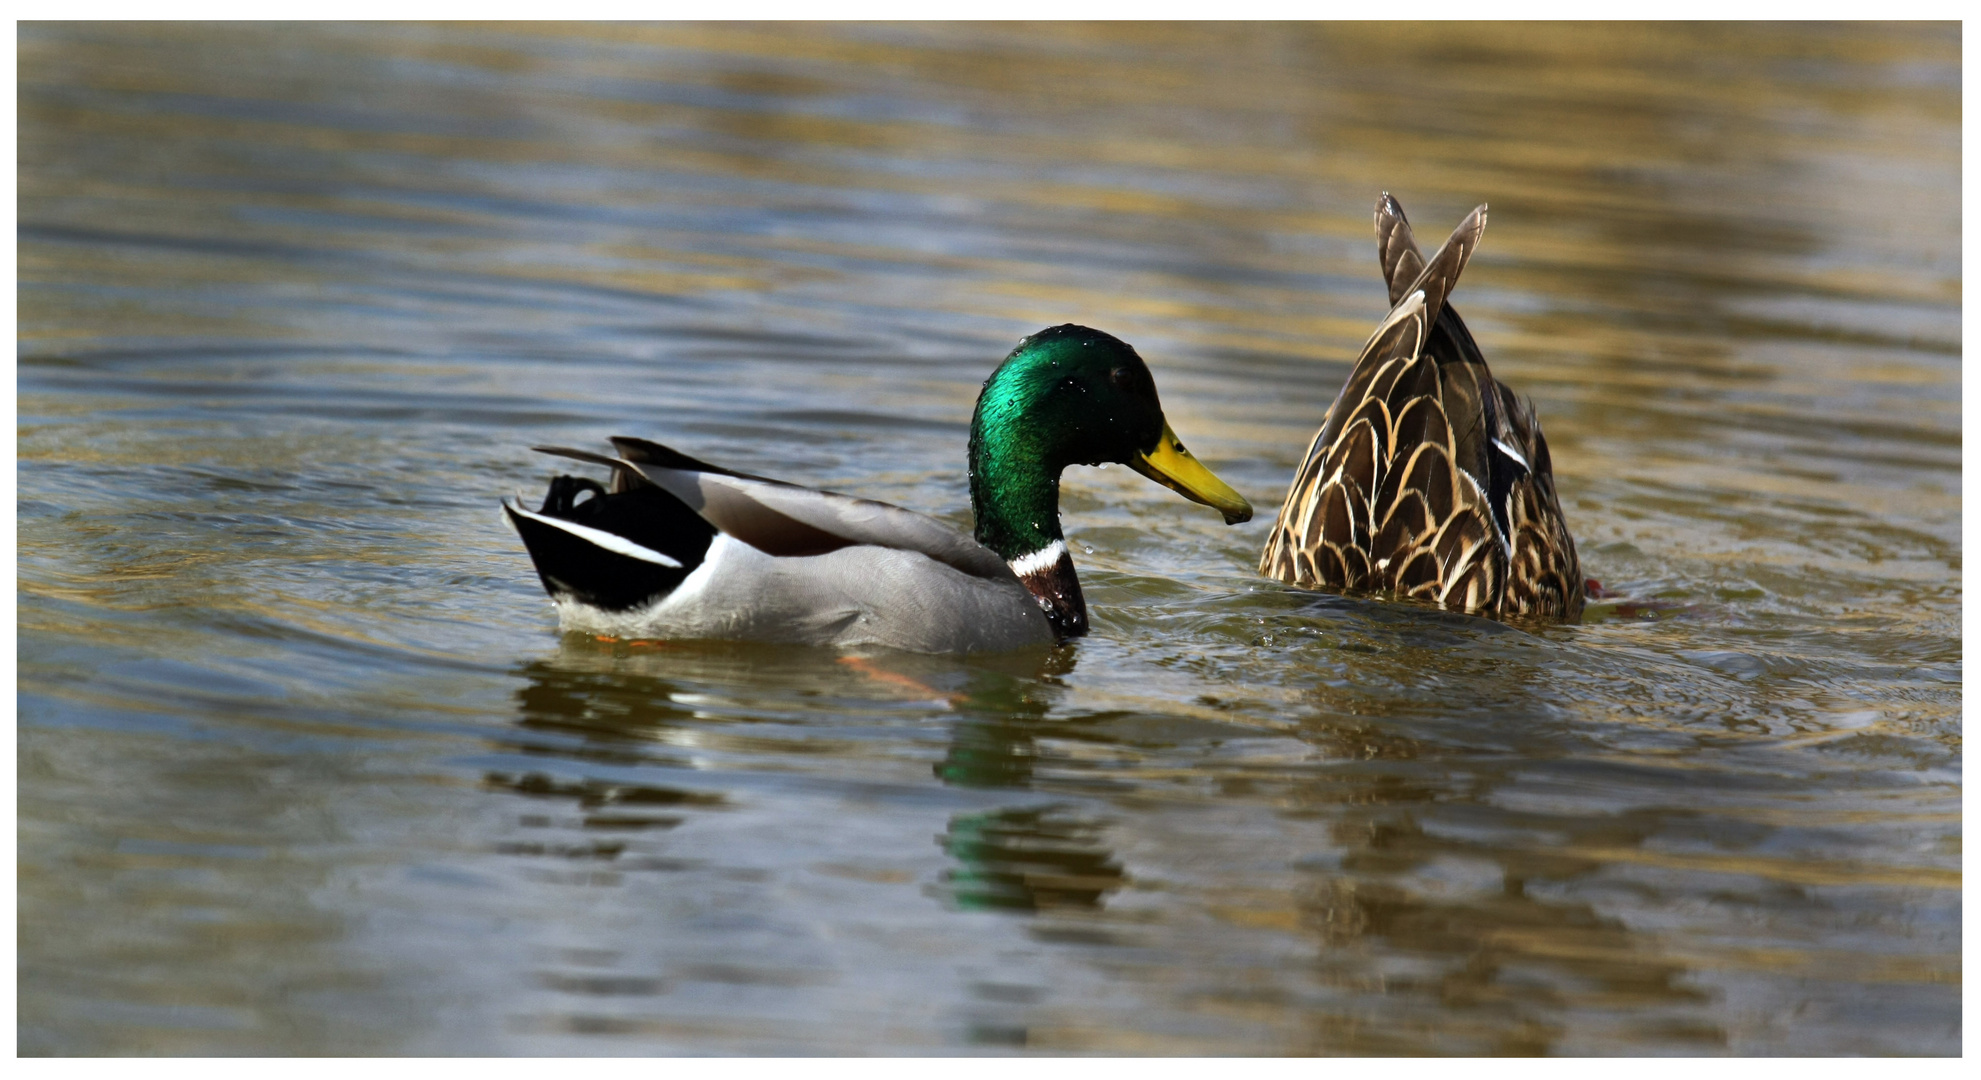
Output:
[[1119, 377]]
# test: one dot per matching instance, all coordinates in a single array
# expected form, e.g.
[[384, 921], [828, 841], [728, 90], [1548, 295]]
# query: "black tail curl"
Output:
[[572, 566]]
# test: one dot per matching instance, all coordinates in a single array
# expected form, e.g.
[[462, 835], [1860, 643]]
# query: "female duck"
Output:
[[1428, 479], [673, 547]]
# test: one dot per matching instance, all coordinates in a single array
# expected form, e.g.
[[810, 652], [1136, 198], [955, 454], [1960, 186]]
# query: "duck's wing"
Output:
[[1544, 574], [1420, 480], [779, 518]]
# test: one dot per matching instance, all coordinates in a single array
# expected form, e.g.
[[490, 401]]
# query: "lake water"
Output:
[[305, 766]]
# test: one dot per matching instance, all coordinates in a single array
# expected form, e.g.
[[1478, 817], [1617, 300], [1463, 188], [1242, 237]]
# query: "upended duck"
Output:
[[672, 547], [1428, 479]]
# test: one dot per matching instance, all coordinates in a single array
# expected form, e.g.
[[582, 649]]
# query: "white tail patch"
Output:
[[1043, 559], [1507, 449], [618, 545]]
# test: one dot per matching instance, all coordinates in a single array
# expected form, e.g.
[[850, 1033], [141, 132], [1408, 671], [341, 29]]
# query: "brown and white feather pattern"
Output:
[[1428, 479]]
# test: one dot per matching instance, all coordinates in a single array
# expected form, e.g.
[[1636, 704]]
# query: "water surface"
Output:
[[305, 766]]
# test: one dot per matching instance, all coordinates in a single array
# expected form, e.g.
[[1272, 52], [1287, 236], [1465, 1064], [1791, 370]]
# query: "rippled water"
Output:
[[305, 766]]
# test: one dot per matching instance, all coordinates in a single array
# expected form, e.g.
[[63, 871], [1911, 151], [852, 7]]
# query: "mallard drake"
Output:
[[1428, 479], [672, 547]]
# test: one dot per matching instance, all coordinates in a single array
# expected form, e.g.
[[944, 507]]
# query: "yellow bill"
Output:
[[1172, 466]]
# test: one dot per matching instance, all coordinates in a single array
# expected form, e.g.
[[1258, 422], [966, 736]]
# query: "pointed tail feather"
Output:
[[1440, 275], [1396, 248], [624, 476]]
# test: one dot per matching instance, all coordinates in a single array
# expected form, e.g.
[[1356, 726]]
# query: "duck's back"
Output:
[[1429, 478]]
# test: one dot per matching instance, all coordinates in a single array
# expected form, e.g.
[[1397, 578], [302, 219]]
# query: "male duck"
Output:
[[1428, 478], [673, 547]]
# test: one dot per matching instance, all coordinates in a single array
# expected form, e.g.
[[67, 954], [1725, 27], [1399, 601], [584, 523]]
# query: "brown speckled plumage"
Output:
[[1428, 479]]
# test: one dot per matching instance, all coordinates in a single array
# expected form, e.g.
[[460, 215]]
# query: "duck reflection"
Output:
[[1434, 889], [1025, 858], [614, 713], [1507, 963], [1020, 859], [584, 707], [993, 742]]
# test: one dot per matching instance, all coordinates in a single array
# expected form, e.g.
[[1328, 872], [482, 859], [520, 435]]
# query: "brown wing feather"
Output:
[[1397, 492], [1545, 577], [1298, 537]]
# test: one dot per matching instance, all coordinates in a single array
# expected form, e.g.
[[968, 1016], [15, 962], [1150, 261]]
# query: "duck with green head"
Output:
[[673, 547]]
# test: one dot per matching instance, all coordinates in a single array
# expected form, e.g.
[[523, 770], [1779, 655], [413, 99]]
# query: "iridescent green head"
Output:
[[1070, 396]]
